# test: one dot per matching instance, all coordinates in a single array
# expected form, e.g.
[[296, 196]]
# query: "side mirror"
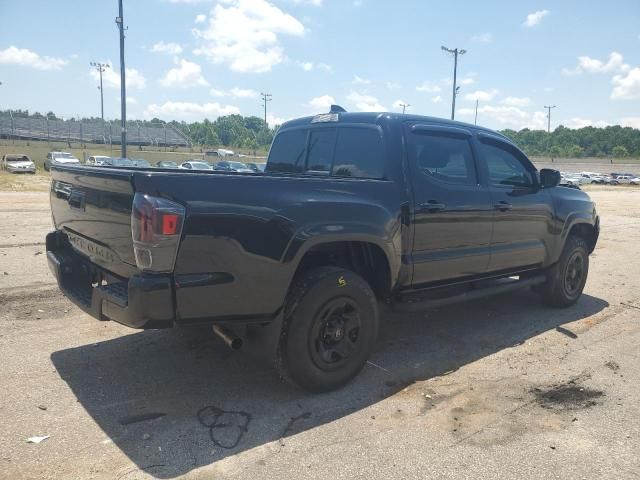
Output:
[[549, 178]]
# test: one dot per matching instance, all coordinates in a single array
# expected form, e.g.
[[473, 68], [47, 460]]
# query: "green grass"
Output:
[[24, 182]]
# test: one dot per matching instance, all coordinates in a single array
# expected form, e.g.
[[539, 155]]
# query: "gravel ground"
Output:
[[498, 388]]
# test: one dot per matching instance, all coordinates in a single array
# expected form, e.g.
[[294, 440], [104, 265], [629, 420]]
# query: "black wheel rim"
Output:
[[335, 336], [574, 274]]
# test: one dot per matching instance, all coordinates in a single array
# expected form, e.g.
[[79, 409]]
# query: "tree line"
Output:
[[612, 141], [252, 133]]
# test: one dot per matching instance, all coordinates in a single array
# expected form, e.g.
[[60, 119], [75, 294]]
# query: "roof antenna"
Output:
[[337, 109]]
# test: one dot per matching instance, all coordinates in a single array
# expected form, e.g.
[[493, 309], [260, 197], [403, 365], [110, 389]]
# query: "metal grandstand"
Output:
[[90, 131]]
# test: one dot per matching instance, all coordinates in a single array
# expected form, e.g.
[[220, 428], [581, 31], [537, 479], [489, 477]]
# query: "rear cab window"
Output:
[[355, 151]]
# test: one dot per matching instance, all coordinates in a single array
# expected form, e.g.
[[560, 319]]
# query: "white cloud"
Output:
[[243, 93], [517, 101], [428, 87], [436, 99], [244, 35], [365, 103], [483, 96], [360, 81], [507, 117], [315, 3], [188, 2], [186, 74], [272, 120], [169, 48], [131, 101], [577, 122], [111, 78], [200, 18], [188, 110], [630, 122], [486, 37], [235, 92], [27, 58], [393, 85], [322, 103], [468, 79], [535, 18], [324, 67], [626, 86], [615, 63], [306, 66]]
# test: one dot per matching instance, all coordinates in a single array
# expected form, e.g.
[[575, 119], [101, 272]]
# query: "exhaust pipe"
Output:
[[228, 337]]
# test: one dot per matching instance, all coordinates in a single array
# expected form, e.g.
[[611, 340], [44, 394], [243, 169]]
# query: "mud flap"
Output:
[[262, 342]]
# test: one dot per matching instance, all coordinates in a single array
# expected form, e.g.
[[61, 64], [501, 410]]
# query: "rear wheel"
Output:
[[331, 324], [566, 279]]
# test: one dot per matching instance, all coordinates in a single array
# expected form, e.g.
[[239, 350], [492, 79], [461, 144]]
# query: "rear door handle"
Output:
[[503, 206], [432, 206]]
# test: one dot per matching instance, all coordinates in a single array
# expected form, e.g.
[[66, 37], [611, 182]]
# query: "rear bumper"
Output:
[[141, 301]]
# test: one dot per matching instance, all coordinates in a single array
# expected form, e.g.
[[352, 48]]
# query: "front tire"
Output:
[[566, 279], [331, 325]]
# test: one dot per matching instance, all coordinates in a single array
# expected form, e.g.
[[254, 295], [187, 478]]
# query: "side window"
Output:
[[359, 153], [321, 145], [444, 158], [504, 167], [287, 152]]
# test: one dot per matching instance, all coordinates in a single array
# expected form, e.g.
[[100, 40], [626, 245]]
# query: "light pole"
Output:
[[475, 122], [549, 107], [266, 97], [404, 106], [123, 91], [455, 52], [101, 67]]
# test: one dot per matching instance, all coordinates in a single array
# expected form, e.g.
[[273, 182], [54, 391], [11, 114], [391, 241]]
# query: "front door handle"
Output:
[[432, 206], [503, 206]]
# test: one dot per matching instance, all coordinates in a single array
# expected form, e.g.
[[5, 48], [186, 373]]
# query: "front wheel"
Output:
[[566, 279], [331, 325]]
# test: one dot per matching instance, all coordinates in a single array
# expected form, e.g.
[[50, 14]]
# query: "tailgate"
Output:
[[92, 206]]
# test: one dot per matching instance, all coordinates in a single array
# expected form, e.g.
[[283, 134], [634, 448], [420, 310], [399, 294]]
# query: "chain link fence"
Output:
[[21, 127]]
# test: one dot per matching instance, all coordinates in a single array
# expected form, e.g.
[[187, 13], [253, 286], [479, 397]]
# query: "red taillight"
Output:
[[156, 225], [169, 223]]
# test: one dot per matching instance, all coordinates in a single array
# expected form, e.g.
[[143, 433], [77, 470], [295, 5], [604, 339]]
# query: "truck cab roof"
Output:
[[379, 118]]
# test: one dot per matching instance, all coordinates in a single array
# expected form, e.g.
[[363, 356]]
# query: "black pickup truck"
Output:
[[353, 209]]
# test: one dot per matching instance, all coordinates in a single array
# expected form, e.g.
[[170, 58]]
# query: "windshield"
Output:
[[64, 155], [237, 165], [12, 159], [200, 165]]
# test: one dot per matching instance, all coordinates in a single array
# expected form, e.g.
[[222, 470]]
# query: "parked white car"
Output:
[[97, 160], [64, 158], [196, 165], [17, 163], [622, 180]]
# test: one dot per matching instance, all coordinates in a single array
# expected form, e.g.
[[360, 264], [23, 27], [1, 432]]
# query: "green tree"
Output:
[[619, 151]]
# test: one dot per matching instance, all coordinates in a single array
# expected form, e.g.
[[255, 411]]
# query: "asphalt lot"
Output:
[[498, 388]]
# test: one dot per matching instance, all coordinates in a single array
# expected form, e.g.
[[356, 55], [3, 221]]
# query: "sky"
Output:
[[194, 59]]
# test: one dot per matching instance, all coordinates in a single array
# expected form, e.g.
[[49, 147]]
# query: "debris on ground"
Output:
[[37, 439]]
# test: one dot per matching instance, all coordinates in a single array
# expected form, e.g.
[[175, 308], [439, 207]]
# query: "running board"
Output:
[[415, 304]]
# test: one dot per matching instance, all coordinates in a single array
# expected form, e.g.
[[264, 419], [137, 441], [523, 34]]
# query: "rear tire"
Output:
[[330, 329], [566, 279]]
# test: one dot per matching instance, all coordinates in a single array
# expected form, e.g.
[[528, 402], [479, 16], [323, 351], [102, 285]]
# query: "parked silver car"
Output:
[[17, 163]]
